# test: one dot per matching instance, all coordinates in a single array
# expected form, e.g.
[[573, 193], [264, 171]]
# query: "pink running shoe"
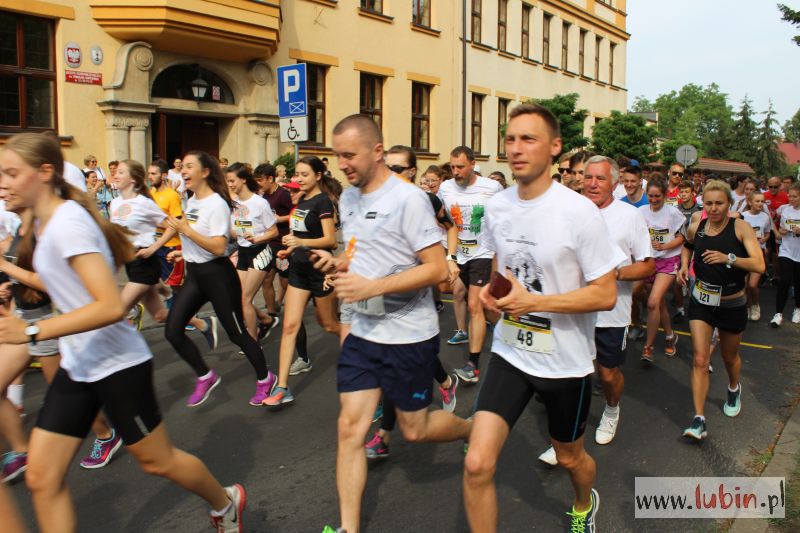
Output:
[[203, 389], [264, 389]]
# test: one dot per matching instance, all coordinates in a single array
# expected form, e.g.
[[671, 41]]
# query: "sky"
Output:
[[741, 45]]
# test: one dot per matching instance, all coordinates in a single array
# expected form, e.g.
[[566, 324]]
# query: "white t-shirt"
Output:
[[550, 249], [211, 217], [384, 230], [177, 181], [619, 191], [664, 224], [10, 222], [738, 200], [140, 215], [466, 206], [74, 176], [790, 243], [760, 222], [91, 355], [253, 216], [628, 229]]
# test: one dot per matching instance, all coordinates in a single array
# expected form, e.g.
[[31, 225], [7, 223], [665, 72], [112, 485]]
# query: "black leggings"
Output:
[[389, 418], [790, 274], [217, 282]]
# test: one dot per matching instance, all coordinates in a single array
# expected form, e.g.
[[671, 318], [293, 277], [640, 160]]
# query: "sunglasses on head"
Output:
[[398, 169]]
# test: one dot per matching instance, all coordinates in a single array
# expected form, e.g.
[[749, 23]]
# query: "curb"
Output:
[[783, 462]]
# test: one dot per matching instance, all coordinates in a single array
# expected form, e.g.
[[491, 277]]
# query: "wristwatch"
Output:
[[731, 259], [32, 331], [453, 257]]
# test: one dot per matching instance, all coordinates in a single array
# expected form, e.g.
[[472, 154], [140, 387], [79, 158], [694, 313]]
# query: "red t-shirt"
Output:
[[774, 201]]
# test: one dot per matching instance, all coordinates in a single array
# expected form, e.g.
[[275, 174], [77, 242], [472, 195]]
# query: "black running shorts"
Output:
[[610, 343], [476, 272]]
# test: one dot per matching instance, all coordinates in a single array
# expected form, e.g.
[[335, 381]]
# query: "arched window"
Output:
[[192, 82]]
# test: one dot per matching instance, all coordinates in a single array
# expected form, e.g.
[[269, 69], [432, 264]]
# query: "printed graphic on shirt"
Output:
[[297, 222], [192, 215], [123, 212]]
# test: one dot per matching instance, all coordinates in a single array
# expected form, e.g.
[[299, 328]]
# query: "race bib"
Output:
[[759, 233], [371, 307], [467, 247], [281, 264], [660, 236], [707, 294], [298, 220], [792, 225], [671, 201], [529, 332]]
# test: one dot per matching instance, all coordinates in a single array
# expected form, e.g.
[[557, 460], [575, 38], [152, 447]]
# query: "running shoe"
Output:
[[300, 366], [278, 398], [697, 430], [635, 333], [231, 521], [102, 451], [669, 345], [13, 466], [439, 306], [776, 321], [449, 394], [679, 316], [606, 429], [585, 522], [203, 388], [211, 331], [468, 373], [136, 315], [549, 456], [190, 327], [263, 389], [376, 448], [169, 301], [329, 529], [460, 337], [755, 313], [796, 315], [647, 355], [378, 414], [733, 406], [265, 329]]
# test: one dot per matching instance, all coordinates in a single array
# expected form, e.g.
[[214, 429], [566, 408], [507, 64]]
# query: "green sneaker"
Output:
[[329, 529], [733, 406], [697, 430], [584, 522]]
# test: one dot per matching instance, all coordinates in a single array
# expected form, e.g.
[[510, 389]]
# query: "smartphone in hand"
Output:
[[499, 286]]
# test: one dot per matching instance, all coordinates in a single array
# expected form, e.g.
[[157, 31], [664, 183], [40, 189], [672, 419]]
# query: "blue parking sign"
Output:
[[292, 100]]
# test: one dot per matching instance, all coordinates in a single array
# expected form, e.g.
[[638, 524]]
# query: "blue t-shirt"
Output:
[[642, 201]]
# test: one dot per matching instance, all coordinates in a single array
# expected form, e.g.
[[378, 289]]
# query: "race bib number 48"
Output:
[[529, 332]]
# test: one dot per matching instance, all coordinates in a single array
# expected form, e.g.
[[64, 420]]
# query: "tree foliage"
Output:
[[624, 135], [792, 17], [767, 159], [287, 160], [744, 134], [571, 119], [791, 128]]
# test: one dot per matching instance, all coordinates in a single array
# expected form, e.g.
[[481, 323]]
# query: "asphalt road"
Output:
[[286, 459]]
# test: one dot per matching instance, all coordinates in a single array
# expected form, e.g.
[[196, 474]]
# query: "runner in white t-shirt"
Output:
[[391, 260], [464, 198], [253, 226], [105, 362], [210, 277], [758, 217], [664, 223], [558, 267], [789, 256]]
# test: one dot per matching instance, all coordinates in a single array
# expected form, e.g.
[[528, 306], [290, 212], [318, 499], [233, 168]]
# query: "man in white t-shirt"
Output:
[[464, 198], [392, 258], [559, 269], [176, 179]]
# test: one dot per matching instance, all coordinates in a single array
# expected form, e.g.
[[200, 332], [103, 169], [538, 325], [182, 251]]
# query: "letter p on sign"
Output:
[[291, 83]]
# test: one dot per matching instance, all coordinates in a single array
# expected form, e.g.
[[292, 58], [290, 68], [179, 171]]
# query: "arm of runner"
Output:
[[452, 266], [638, 270], [106, 307], [328, 239], [351, 287], [688, 249], [26, 277], [168, 234], [598, 295]]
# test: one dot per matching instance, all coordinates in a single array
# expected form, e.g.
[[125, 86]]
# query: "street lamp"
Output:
[[199, 87]]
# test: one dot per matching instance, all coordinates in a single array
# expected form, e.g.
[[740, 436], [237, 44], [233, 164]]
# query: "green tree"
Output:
[[791, 128], [624, 135], [571, 119], [744, 134], [642, 105], [684, 131], [709, 108], [287, 160], [792, 17], [768, 159]]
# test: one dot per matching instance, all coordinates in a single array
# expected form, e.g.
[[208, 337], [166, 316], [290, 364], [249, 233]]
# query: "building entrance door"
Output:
[[174, 135]]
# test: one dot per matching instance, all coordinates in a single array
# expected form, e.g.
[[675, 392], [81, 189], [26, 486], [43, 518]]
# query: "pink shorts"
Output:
[[666, 265]]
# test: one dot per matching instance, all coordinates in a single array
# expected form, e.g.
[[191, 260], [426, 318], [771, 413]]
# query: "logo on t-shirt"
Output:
[[193, 216], [123, 212]]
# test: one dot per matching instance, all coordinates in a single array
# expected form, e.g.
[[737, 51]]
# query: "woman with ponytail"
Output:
[[105, 363], [210, 277]]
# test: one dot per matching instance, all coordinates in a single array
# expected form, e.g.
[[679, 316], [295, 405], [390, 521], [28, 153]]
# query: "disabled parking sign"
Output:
[[293, 103]]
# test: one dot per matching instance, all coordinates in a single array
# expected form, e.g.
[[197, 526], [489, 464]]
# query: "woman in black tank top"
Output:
[[722, 250]]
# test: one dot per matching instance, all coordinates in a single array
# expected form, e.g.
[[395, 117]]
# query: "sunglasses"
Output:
[[398, 169], [773, 187], [680, 174], [562, 170]]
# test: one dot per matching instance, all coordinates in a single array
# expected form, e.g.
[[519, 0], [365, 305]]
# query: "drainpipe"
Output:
[[464, 73]]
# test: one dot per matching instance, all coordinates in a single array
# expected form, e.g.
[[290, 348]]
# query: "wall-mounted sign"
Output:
[[216, 94], [96, 53], [86, 78], [72, 55]]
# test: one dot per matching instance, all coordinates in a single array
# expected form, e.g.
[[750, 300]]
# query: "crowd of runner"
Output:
[[558, 269]]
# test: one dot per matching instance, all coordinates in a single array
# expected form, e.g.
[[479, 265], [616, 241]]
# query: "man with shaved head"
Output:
[[393, 257]]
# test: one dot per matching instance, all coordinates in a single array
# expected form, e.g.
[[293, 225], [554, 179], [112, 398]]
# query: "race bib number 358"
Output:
[[529, 332]]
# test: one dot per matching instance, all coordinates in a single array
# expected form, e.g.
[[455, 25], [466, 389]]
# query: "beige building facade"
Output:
[[139, 79]]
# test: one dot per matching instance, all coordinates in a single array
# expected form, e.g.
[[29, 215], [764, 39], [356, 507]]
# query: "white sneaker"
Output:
[[776, 321], [606, 429], [796, 315], [299, 366], [755, 313], [231, 521], [549, 456]]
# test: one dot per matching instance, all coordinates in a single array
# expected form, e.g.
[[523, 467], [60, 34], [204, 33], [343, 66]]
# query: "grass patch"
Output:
[[792, 521]]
